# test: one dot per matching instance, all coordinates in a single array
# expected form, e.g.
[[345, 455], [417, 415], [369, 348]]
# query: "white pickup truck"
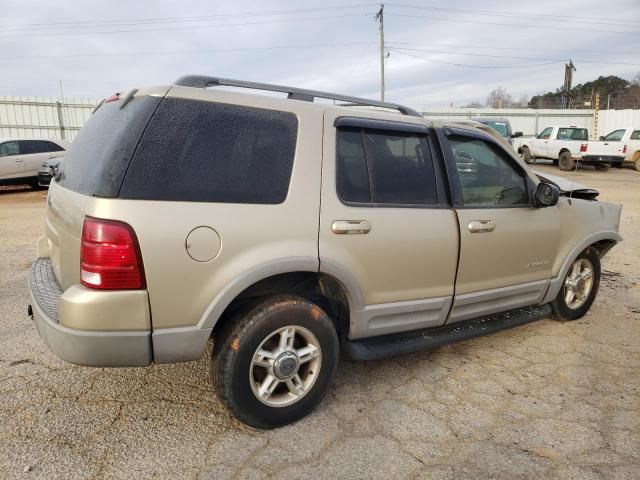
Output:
[[628, 141], [567, 145]]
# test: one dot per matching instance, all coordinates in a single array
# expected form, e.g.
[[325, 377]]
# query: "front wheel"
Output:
[[525, 153], [275, 362], [579, 288]]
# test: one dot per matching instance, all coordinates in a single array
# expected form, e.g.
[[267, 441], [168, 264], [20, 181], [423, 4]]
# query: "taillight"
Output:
[[583, 148], [110, 256], [624, 149]]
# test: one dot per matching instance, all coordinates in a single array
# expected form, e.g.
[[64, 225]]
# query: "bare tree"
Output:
[[499, 98]]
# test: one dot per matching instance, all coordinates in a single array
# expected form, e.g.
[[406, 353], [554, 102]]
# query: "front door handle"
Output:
[[482, 226], [342, 227]]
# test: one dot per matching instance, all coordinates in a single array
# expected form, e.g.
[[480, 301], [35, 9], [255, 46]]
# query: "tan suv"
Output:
[[290, 230]]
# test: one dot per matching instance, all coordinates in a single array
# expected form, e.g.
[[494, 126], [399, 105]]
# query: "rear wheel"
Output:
[[274, 363], [602, 167], [579, 288], [526, 155], [565, 162]]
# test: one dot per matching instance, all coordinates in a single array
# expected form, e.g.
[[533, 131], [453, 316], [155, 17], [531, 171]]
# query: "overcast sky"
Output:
[[99, 47]]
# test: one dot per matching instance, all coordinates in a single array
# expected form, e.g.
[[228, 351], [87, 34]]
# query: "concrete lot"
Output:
[[548, 400]]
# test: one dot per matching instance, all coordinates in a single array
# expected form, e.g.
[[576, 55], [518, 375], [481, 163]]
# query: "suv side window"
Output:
[[212, 152], [9, 149], [488, 176], [28, 147], [385, 168], [635, 135], [54, 147], [545, 134]]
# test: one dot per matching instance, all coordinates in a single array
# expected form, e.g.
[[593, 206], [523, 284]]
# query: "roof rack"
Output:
[[203, 81]]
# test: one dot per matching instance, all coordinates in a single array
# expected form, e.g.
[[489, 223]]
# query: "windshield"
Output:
[[500, 127], [573, 134]]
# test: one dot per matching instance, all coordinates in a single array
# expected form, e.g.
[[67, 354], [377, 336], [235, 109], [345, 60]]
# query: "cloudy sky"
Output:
[[439, 52]]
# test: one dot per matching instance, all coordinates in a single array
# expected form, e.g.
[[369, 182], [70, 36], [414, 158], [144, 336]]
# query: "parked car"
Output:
[[290, 231], [568, 145], [20, 159], [500, 125], [628, 141], [48, 170]]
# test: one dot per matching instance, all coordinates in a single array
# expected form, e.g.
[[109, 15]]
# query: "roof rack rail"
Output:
[[203, 81]]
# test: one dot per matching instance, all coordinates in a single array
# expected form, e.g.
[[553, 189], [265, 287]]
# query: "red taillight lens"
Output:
[[624, 149], [110, 256], [583, 148]]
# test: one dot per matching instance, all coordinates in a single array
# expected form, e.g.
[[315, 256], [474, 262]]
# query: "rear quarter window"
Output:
[[213, 152], [98, 158]]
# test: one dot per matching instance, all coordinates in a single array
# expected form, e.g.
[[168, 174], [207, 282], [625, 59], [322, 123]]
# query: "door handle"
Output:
[[342, 227], [482, 226]]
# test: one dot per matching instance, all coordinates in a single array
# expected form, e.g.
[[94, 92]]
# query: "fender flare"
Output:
[[556, 283]]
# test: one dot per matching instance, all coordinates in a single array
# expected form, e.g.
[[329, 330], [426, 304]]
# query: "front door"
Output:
[[540, 145], [387, 231], [507, 246]]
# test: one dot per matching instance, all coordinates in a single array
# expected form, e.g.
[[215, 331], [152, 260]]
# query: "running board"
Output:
[[375, 348]]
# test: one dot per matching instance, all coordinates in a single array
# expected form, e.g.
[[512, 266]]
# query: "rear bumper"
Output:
[[82, 347], [602, 159]]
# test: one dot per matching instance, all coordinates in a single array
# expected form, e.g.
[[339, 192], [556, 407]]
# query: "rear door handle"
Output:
[[482, 226], [342, 227]]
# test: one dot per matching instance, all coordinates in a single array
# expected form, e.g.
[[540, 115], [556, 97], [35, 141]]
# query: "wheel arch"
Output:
[[602, 242]]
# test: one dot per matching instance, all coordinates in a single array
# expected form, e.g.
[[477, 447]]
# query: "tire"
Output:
[[565, 162], [239, 375], [602, 167], [636, 164], [526, 155], [567, 307]]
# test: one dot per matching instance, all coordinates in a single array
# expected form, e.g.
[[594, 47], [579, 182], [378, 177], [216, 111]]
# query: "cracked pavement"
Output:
[[547, 400]]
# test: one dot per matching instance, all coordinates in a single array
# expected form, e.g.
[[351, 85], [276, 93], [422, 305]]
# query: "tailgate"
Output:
[[63, 229], [605, 149]]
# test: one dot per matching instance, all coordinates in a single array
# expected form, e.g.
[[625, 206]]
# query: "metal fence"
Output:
[[43, 117], [530, 122], [50, 117]]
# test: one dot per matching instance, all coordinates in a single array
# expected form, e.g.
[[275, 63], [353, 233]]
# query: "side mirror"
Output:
[[601, 138], [516, 135], [546, 195]]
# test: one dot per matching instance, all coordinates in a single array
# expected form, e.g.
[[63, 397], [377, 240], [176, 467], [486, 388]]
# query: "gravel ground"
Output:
[[547, 400]]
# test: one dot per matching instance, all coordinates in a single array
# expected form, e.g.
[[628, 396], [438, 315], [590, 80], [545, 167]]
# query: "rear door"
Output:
[[11, 165], [507, 246], [34, 154], [387, 230]]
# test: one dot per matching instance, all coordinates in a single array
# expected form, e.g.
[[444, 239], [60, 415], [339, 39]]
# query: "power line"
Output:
[[188, 52], [512, 57], [192, 27], [594, 20], [489, 47], [120, 22], [468, 65], [518, 25]]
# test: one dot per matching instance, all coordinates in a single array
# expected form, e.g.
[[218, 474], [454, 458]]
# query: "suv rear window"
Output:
[[213, 152], [100, 154]]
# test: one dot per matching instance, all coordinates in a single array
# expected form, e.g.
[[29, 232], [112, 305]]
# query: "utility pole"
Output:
[[380, 16]]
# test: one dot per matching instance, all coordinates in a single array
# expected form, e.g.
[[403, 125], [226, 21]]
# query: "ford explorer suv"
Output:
[[568, 145], [20, 159], [291, 231]]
